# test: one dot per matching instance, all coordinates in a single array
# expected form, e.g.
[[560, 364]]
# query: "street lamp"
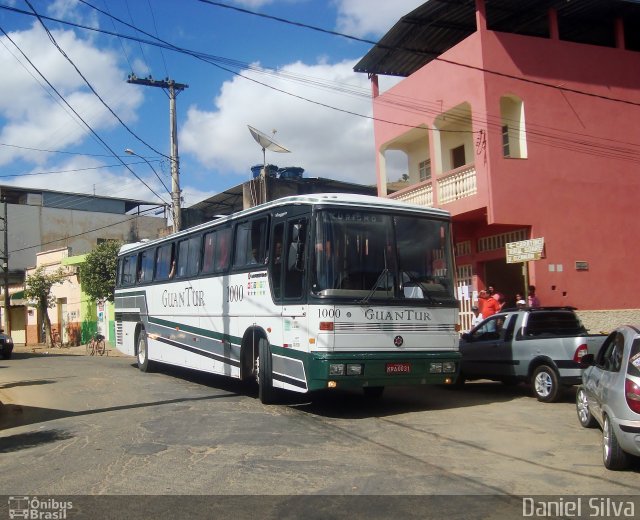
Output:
[[129, 151]]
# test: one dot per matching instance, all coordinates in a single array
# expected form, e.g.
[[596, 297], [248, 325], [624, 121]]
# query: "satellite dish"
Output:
[[266, 143]]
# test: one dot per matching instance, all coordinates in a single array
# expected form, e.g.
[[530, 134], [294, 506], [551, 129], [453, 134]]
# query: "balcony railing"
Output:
[[421, 194], [457, 184]]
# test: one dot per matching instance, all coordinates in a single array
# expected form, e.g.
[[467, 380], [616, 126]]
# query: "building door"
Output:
[[507, 279], [18, 328]]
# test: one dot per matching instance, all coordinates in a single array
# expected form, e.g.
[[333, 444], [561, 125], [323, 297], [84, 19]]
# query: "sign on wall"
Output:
[[524, 250]]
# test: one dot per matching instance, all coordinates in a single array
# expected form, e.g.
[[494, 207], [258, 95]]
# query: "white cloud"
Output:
[[359, 18], [68, 10], [33, 116], [325, 142]]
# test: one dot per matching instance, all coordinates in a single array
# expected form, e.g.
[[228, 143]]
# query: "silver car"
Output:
[[610, 395]]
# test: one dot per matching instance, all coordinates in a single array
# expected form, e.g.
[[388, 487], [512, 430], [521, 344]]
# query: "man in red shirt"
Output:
[[491, 305]]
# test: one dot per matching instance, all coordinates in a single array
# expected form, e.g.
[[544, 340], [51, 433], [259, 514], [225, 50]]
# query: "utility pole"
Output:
[[4, 259], [174, 89]]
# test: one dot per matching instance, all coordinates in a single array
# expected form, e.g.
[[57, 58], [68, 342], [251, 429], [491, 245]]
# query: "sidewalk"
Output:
[[80, 350]]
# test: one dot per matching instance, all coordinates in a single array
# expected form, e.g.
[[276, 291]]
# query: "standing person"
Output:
[[477, 316], [483, 297], [491, 305], [532, 299]]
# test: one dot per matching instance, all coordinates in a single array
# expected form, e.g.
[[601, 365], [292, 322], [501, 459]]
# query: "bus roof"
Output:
[[330, 199]]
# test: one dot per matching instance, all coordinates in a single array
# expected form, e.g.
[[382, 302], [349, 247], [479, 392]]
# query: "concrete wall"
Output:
[[32, 229], [607, 320], [579, 186]]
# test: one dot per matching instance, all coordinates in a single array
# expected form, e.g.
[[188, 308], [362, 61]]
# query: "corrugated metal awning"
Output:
[[438, 25]]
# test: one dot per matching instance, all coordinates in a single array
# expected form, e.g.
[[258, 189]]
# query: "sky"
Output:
[[68, 113]]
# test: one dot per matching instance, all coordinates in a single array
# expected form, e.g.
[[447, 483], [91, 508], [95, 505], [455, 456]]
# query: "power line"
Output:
[[93, 90], [68, 171], [417, 51], [53, 151], [410, 104], [86, 232], [78, 115]]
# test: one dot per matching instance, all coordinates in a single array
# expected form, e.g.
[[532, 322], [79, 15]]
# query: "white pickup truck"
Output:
[[539, 346]]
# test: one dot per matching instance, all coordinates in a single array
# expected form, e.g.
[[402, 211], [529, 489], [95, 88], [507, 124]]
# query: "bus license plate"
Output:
[[398, 368]]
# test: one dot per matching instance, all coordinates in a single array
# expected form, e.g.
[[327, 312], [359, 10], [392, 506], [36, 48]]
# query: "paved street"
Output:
[[76, 425]]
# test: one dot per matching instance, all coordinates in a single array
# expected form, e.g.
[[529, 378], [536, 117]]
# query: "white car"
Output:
[[610, 396]]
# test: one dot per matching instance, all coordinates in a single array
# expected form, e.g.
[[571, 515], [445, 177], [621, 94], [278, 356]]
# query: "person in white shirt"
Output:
[[477, 316]]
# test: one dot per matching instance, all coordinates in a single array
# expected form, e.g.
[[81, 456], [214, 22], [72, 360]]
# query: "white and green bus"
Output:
[[303, 293]]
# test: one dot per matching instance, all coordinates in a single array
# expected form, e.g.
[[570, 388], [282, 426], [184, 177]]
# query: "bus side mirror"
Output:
[[295, 260]]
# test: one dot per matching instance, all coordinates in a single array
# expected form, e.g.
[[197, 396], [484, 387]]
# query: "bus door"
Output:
[[288, 285], [294, 252]]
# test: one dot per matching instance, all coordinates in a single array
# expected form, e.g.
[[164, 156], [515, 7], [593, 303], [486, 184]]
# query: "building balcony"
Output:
[[420, 194], [457, 184], [451, 186]]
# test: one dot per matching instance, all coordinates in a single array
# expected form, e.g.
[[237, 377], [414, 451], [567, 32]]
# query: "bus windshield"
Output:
[[370, 255]]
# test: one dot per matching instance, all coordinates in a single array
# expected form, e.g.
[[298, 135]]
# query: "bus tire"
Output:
[[142, 352], [266, 391]]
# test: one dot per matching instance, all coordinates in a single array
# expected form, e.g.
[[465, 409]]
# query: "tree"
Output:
[[37, 288], [98, 272]]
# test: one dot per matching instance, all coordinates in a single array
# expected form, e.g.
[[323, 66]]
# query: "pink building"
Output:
[[522, 118]]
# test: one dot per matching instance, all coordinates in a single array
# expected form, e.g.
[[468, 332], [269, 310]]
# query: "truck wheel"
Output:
[[266, 391], [612, 455], [545, 384], [582, 407]]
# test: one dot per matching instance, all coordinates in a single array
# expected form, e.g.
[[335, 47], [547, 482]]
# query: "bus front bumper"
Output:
[[359, 370]]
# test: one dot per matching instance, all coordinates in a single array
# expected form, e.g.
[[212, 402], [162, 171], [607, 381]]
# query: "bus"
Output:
[[309, 292]]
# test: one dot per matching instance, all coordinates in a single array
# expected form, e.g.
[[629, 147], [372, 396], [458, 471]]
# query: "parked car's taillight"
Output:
[[580, 351], [632, 393]]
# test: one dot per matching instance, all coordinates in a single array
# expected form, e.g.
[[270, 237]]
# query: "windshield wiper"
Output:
[[366, 299], [425, 293]]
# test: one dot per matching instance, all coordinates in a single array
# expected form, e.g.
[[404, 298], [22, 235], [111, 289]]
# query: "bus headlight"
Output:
[[435, 368], [354, 370], [336, 370], [448, 367]]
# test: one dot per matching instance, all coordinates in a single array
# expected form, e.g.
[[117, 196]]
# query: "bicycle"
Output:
[[96, 345]]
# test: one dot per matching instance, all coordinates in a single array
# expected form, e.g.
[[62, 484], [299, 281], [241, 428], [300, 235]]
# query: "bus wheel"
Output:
[[143, 352], [373, 392], [266, 391]]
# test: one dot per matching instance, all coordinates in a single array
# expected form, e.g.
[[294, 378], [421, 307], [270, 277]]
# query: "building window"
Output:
[[514, 134], [457, 157], [424, 168], [505, 141]]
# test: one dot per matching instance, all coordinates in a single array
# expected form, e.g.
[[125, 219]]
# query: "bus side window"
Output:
[[251, 241], [223, 249], [189, 256], [164, 260], [208, 251], [145, 271], [129, 266], [119, 273]]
